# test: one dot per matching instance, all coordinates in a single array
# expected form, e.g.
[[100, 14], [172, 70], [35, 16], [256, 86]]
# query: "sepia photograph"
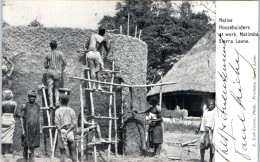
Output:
[[130, 80]]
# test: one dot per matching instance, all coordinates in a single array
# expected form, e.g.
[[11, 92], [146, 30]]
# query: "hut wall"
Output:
[[27, 47], [191, 102]]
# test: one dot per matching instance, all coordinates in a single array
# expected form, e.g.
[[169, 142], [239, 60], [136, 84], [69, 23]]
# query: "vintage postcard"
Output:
[[129, 80]]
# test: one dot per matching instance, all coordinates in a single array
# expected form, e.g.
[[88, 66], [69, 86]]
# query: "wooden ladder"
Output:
[[49, 126], [112, 104]]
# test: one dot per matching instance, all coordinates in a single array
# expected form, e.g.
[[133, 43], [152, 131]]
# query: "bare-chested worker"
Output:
[[93, 56]]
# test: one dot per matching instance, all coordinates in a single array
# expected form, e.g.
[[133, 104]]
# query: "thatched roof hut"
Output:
[[194, 73]]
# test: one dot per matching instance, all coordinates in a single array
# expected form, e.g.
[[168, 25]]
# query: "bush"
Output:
[[180, 127], [35, 23], [180, 114]]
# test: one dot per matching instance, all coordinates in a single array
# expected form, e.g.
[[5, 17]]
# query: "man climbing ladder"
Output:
[[94, 59], [54, 63]]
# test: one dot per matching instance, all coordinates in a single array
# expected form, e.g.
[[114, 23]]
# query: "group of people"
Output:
[[155, 130], [65, 118]]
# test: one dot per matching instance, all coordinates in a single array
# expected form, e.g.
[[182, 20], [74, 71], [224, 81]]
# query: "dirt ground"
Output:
[[170, 148]]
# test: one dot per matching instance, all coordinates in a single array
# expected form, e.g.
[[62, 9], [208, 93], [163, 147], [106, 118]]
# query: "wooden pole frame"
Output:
[[140, 32], [135, 31], [82, 121], [128, 22], [48, 118], [124, 85], [109, 113], [121, 29], [115, 126], [92, 113]]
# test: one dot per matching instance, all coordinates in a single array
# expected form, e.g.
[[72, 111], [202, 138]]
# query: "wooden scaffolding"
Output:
[[50, 123], [110, 118], [112, 105]]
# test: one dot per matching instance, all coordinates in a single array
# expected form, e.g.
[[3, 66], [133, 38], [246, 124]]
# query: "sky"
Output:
[[58, 13], [84, 14]]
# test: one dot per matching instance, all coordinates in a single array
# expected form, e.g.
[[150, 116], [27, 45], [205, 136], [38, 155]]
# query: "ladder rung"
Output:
[[107, 71], [105, 117], [44, 108], [44, 127], [99, 143], [109, 142], [93, 90], [65, 89], [42, 86]]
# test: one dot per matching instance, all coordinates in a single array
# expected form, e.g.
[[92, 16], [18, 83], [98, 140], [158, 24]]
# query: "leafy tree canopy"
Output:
[[168, 32]]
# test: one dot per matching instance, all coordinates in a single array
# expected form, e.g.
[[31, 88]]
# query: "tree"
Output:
[[168, 35], [35, 23], [107, 22]]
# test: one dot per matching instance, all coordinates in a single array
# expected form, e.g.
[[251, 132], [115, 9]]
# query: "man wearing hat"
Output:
[[54, 63], [8, 123], [65, 122], [30, 117]]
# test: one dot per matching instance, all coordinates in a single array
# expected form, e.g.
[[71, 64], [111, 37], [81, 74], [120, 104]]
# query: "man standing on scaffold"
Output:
[[54, 63], [93, 56]]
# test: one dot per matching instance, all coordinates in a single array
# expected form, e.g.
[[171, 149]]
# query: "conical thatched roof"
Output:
[[195, 72]]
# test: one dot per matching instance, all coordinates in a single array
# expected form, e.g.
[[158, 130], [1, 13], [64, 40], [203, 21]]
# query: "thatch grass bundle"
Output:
[[195, 72]]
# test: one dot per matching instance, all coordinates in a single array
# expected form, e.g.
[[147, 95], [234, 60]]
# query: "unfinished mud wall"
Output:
[[27, 48]]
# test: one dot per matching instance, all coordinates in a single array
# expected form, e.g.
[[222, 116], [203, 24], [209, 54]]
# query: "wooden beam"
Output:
[[109, 113], [48, 116], [121, 29], [135, 31], [189, 142], [115, 122], [124, 85], [82, 122], [140, 32], [128, 22]]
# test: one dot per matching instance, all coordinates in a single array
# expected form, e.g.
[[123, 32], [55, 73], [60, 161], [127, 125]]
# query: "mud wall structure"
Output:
[[27, 47]]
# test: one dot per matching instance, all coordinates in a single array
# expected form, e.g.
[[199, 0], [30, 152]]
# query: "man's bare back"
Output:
[[94, 42]]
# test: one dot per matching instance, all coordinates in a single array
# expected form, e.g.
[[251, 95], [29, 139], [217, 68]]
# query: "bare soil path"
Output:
[[171, 148]]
